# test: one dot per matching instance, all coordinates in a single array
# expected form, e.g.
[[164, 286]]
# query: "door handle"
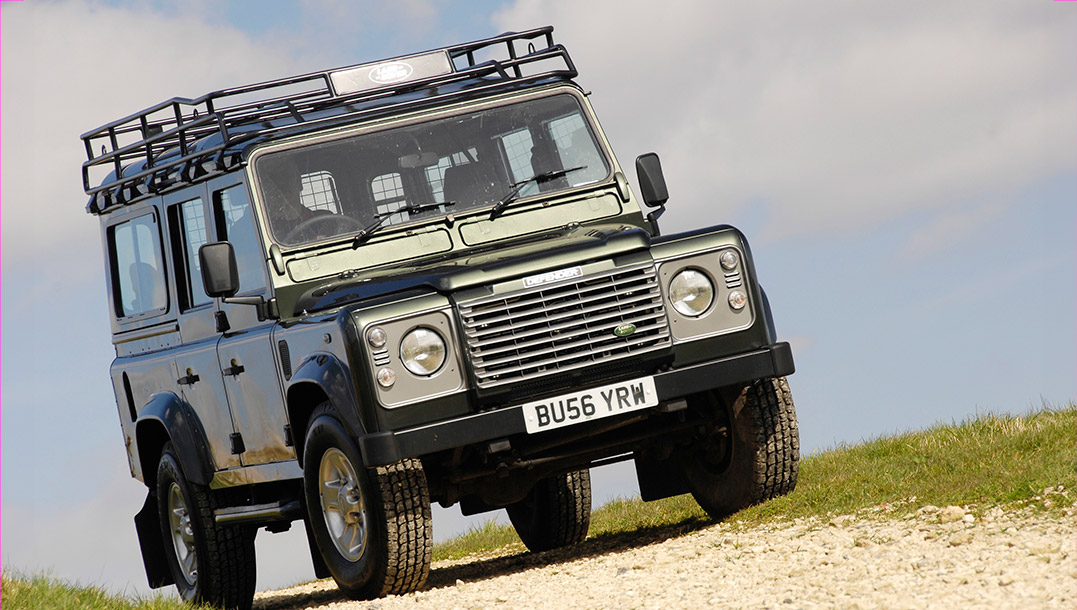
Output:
[[189, 379], [233, 370]]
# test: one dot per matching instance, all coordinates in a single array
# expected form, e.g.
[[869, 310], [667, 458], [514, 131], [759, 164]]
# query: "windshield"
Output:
[[428, 170]]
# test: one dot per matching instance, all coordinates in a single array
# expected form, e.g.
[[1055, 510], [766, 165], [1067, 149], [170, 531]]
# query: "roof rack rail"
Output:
[[166, 139]]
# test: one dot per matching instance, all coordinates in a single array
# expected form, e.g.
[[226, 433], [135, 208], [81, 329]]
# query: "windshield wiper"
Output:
[[413, 208], [510, 196], [366, 232]]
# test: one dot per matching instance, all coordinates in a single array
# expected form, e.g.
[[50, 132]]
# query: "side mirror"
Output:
[[652, 184], [220, 274]]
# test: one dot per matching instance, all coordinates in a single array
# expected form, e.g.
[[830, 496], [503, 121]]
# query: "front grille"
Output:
[[552, 329]]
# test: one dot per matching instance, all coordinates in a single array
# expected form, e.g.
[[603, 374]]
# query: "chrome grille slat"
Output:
[[562, 313], [486, 353], [591, 285], [548, 361], [502, 338], [565, 326], [560, 344], [541, 305]]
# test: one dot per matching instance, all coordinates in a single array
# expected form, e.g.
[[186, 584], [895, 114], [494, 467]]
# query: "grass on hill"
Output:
[[45, 593], [985, 461]]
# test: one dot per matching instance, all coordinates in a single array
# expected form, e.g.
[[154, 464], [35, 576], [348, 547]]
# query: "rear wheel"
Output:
[[372, 526], [751, 454], [210, 564], [555, 513]]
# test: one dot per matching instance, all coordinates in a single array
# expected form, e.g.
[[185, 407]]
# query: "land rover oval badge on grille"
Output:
[[624, 330]]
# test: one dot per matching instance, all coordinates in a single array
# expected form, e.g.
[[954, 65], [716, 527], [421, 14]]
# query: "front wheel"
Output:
[[752, 453], [210, 564], [372, 527], [555, 513]]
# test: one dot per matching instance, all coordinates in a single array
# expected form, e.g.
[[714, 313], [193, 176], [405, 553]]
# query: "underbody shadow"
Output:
[[483, 569]]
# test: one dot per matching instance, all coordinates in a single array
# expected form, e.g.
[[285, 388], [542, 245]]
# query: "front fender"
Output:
[[168, 418], [325, 372]]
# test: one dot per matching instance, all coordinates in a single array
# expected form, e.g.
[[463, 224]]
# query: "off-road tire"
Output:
[[753, 456], [399, 547], [556, 512], [226, 573]]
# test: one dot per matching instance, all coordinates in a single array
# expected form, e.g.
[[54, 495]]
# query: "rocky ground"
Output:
[[949, 557]]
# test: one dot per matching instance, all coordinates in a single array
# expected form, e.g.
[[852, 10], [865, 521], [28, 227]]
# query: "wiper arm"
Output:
[[366, 232], [413, 208], [510, 196]]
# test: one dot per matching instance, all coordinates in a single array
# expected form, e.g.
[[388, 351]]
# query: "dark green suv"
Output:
[[341, 296]]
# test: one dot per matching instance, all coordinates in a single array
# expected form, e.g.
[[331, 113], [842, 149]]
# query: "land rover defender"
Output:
[[338, 297]]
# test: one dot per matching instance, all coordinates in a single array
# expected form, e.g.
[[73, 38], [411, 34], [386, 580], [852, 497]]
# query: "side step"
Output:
[[259, 513]]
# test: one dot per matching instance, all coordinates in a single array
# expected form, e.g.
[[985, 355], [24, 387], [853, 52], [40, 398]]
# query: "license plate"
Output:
[[588, 405]]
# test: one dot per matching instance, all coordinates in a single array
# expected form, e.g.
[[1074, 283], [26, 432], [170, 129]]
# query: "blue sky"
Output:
[[906, 174]]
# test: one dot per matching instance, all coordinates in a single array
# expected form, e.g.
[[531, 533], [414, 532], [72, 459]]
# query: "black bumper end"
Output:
[[771, 361]]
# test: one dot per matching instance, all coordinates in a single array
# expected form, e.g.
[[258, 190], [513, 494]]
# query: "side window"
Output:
[[388, 191], [187, 222], [319, 192], [232, 212], [518, 151], [138, 271], [576, 147]]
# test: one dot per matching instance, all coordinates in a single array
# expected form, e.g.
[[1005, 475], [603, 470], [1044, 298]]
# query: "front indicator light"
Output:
[[691, 293], [386, 377], [737, 300], [376, 337], [729, 260], [423, 351]]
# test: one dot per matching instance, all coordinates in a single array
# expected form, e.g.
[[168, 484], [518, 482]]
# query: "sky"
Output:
[[906, 173]]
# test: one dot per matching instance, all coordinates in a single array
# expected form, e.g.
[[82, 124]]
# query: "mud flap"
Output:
[[320, 569], [659, 478], [148, 527]]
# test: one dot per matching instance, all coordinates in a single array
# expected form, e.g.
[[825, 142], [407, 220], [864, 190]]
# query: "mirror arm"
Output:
[[266, 309], [653, 219], [221, 320]]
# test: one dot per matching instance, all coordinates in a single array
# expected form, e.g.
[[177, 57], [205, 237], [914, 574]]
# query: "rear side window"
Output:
[[188, 225], [319, 192], [138, 271]]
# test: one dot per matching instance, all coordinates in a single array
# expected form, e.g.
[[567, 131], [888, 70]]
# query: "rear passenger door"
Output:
[[195, 367]]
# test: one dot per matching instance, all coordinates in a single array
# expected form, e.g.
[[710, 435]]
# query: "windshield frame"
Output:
[[451, 214]]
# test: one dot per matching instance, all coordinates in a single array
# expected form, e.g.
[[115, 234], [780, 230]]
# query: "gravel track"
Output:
[[936, 557]]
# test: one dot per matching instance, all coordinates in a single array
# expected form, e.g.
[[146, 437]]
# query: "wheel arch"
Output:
[[168, 418], [319, 379]]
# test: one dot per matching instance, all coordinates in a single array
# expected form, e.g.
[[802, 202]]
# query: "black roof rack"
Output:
[[181, 140]]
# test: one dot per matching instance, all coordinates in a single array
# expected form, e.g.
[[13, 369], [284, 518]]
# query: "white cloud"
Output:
[[947, 229], [71, 66], [835, 115]]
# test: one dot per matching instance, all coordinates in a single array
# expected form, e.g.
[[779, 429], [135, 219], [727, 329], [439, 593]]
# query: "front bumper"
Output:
[[383, 448]]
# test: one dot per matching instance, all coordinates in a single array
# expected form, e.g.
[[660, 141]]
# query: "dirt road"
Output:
[[936, 558]]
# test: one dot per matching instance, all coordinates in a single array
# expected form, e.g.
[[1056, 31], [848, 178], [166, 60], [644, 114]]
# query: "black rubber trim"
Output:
[[772, 361], [383, 448]]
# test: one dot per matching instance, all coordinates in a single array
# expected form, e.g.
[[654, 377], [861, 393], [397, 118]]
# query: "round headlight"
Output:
[[691, 292], [422, 351]]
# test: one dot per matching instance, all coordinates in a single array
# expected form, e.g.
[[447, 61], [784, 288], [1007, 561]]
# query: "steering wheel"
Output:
[[334, 224]]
